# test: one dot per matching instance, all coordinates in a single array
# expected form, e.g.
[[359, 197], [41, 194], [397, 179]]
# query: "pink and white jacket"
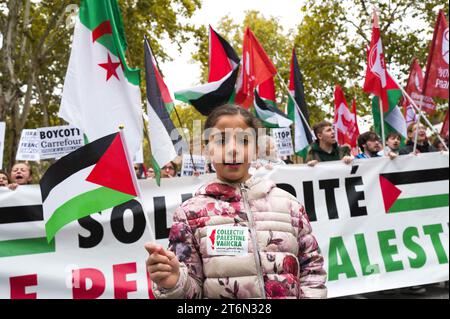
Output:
[[288, 263]]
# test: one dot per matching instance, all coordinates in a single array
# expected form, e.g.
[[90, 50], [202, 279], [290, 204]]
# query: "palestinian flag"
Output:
[[101, 92], [165, 94], [207, 97], [270, 116], [302, 136], [95, 177], [266, 91], [394, 121], [415, 190], [162, 131], [222, 57], [223, 73]]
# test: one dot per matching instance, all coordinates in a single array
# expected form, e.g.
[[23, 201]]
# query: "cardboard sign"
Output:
[[188, 167], [28, 146], [283, 141], [57, 141]]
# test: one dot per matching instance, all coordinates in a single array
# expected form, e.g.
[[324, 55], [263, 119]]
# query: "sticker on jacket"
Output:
[[227, 240]]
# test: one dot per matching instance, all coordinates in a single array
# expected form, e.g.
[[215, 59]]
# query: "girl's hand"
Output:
[[12, 186], [163, 266]]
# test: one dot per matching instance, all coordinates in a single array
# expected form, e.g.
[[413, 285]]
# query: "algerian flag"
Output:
[[92, 178], [270, 116], [100, 91], [394, 121]]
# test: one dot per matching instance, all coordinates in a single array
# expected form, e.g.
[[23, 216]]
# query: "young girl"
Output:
[[239, 236]]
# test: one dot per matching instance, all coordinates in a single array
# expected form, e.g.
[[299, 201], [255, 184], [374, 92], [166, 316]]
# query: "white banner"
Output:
[[57, 141], [28, 149], [365, 248], [283, 141], [2, 142]]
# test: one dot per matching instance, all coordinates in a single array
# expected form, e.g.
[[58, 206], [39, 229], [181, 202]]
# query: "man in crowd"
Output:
[[393, 141], [423, 146], [370, 145], [325, 148]]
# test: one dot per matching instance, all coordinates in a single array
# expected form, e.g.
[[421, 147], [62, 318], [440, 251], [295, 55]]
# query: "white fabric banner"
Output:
[[380, 224]]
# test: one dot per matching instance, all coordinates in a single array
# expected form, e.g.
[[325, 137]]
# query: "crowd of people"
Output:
[[324, 149], [166, 266]]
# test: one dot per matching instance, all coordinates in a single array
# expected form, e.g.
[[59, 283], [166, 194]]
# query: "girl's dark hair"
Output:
[[230, 109]]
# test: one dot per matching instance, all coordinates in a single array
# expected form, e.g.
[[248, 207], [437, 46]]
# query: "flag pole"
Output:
[[419, 110], [416, 135], [383, 134], [136, 184], [184, 135]]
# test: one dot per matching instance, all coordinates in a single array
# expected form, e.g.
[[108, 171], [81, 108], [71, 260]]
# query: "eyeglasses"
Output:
[[168, 168]]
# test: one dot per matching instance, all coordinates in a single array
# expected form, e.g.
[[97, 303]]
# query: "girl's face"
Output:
[[231, 148], [3, 180]]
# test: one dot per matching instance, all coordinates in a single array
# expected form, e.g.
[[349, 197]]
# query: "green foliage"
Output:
[[36, 48], [331, 40]]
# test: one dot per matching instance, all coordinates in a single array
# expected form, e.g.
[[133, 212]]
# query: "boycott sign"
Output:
[[57, 141], [283, 141], [188, 167], [380, 224], [28, 149], [2, 142]]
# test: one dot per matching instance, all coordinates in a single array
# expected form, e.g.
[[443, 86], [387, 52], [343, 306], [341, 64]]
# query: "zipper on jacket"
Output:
[[254, 240]]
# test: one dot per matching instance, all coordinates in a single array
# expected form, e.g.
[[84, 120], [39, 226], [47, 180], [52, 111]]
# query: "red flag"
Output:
[[436, 77], [222, 57], [376, 73], [414, 90], [266, 91], [444, 130], [256, 69], [344, 121]]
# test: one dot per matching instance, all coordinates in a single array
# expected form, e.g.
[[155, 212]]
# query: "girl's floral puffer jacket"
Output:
[[288, 263]]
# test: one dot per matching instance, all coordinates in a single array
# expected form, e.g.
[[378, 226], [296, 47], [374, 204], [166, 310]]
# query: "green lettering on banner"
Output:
[[366, 267], [421, 256], [433, 231], [337, 247], [387, 251]]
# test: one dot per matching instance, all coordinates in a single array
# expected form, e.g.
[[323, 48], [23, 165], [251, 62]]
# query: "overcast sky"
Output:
[[182, 73]]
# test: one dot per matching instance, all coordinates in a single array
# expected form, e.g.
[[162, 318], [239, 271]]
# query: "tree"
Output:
[[330, 42], [333, 36], [36, 48]]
